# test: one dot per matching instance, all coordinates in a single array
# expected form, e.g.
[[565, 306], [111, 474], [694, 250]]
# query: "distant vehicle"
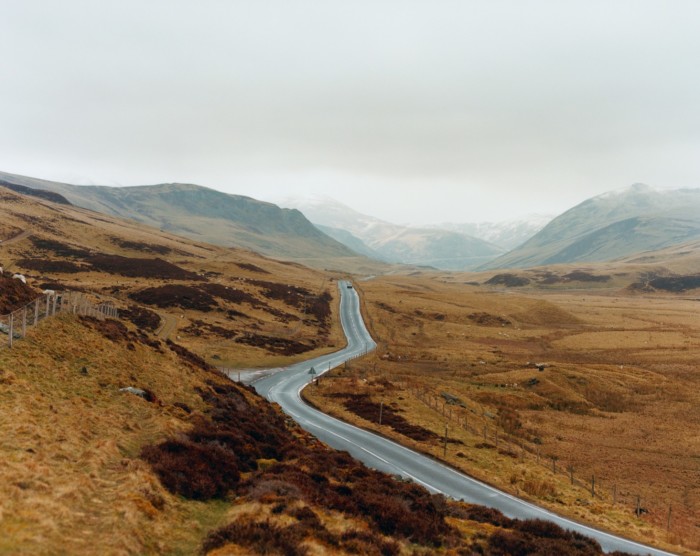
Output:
[[349, 286]]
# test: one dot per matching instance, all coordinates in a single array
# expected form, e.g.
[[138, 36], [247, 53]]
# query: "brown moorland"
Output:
[[116, 441], [236, 308], [582, 397]]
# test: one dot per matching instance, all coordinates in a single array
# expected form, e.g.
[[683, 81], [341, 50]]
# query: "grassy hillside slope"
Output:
[[188, 462], [207, 215], [611, 226]]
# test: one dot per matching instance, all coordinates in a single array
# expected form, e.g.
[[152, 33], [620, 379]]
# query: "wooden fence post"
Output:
[[24, 322], [36, 312], [11, 327]]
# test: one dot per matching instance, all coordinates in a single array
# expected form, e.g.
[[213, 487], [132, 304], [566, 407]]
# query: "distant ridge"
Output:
[[40, 193], [202, 214], [432, 247], [609, 226]]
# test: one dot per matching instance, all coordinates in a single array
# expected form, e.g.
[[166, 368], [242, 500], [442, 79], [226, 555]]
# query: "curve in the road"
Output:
[[380, 453]]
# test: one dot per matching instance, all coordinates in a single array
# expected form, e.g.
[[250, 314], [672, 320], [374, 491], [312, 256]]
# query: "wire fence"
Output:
[[479, 423], [16, 324]]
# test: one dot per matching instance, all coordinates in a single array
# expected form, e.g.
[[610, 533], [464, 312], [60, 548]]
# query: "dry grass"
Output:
[[74, 477], [617, 397], [70, 478], [100, 245]]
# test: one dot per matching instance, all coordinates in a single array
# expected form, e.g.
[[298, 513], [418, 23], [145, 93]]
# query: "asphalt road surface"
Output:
[[379, 453]]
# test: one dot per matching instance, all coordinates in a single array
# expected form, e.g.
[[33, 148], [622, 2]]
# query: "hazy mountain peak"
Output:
[[615, 224]]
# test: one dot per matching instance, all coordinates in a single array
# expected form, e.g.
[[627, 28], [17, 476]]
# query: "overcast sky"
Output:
[[411, 111]]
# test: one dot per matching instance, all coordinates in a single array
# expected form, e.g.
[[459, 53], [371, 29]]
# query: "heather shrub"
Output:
[[196, 471], [261, 537]]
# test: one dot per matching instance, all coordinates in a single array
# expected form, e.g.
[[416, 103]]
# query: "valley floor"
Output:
[[582, 401]]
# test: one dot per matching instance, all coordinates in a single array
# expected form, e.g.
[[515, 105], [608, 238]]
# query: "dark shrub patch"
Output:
[[229, 293], [59, 249], [182, 405], [189, 357], [262, 537], [141, 317], [361, 405], [111, 329], [192, 470], [14, 294], [280, 346], [676, 283], [482, 514], [140, 268], [44, 265], [486, 319], [294, 296], [539, 537], [139, 246], [508, 280], [176, 295], [581, 276], [320, 308]]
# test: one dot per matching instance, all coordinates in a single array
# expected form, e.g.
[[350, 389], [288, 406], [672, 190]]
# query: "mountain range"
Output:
[[203, 214], [507, 234], [438, 248], [619, 224], [610, 226]]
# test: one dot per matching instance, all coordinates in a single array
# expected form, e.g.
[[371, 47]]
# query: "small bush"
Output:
[[195, 471], [262, 537]]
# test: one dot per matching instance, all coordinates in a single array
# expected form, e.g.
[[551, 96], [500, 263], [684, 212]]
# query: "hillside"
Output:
[[207, 215], [611, 226], [233, 306], [442, 249], [195, 463]]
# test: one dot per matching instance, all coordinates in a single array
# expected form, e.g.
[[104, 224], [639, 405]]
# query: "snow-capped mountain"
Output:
[[439, 248]]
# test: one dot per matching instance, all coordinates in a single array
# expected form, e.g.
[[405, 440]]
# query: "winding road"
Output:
[[379, 453]]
